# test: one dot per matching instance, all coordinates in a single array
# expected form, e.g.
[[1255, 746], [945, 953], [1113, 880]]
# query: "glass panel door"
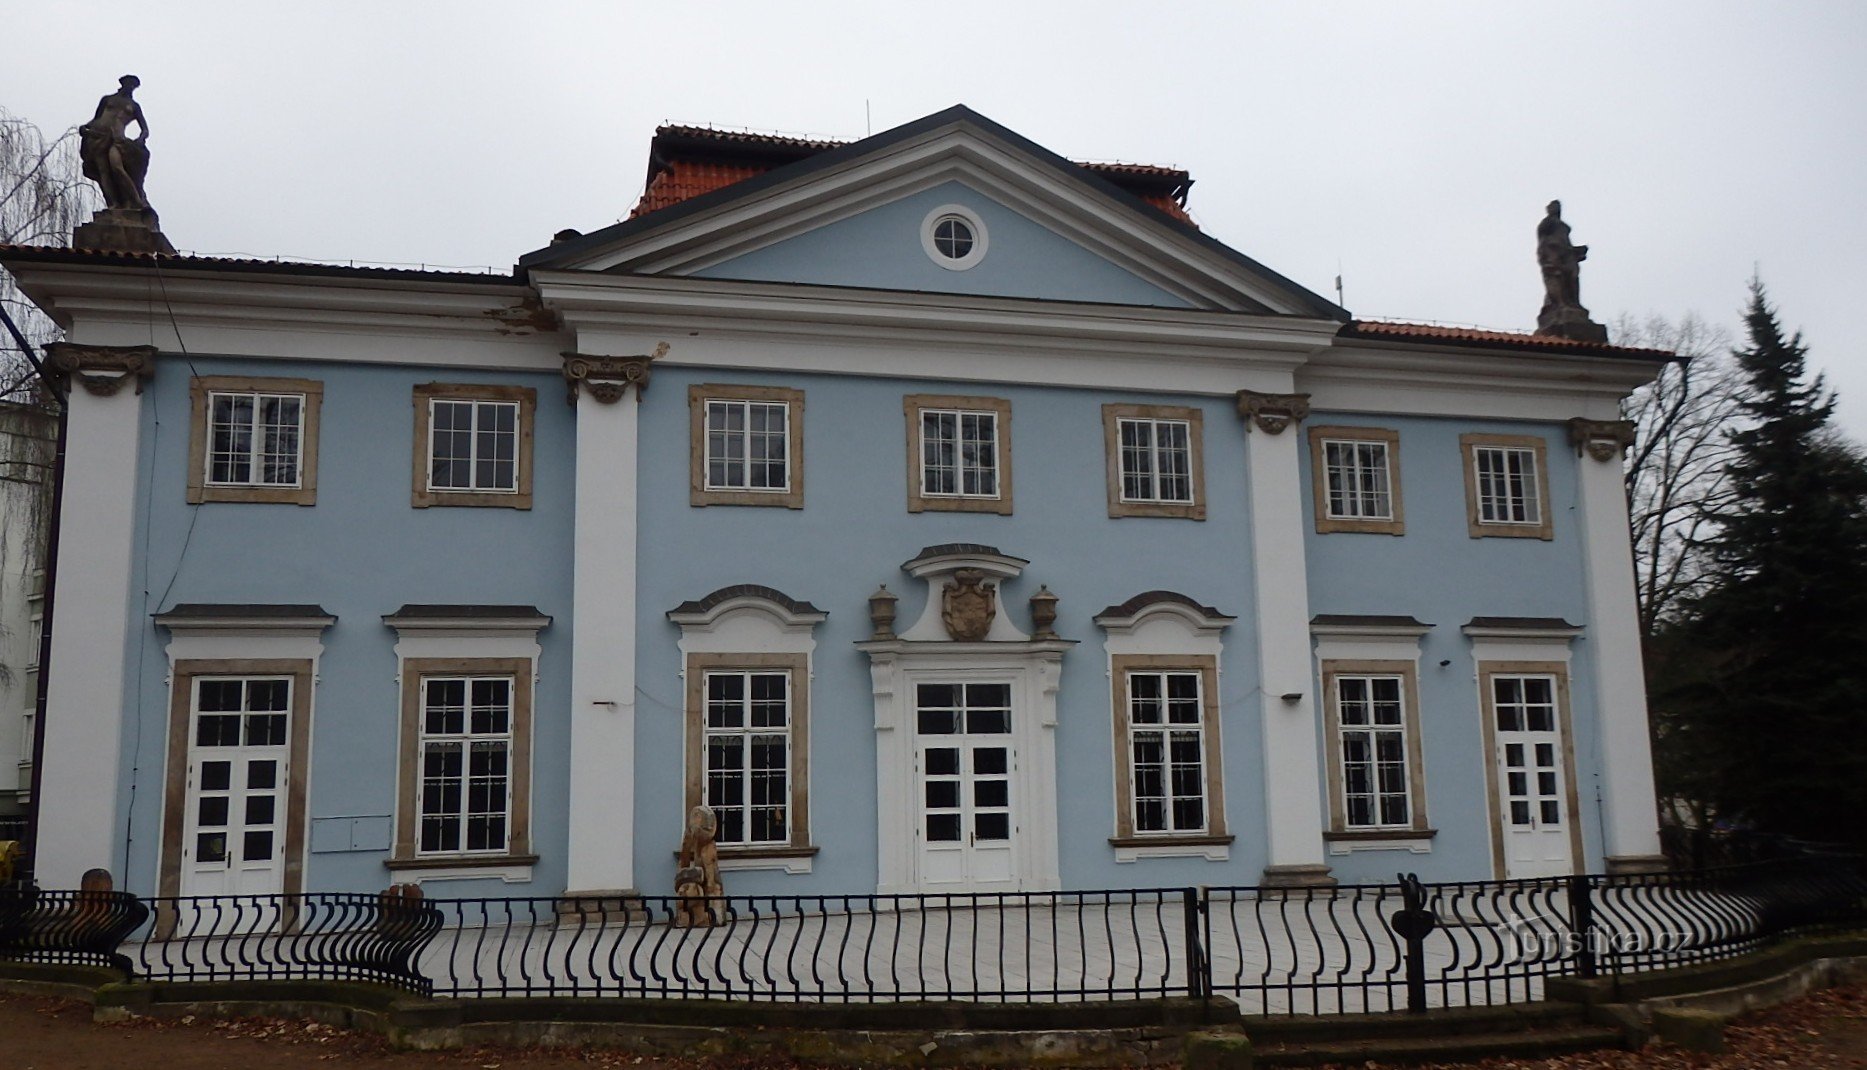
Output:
[[965, 760]]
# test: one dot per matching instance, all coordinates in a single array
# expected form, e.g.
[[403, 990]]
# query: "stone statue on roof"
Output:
[[118, 164], [112, 159], [1561, 260]]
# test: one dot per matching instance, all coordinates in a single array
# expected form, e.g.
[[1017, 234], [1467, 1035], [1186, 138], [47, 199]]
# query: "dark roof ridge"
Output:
[[744, 590], [1159, 597]]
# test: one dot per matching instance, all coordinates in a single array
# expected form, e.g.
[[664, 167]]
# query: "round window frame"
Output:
[[964, 215]]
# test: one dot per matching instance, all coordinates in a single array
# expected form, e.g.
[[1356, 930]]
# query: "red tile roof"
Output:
[[687, 161], [1382, 330]]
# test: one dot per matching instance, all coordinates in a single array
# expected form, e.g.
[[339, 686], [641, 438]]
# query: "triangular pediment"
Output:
[[1130, 251]]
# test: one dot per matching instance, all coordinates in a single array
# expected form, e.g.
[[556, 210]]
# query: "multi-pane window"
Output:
[[1156, 461], [1524, 708], [747, 445], [473, 446], [1167, 752], [1506, 481], [254, 439], [1358, 483], [747, 734], [1371, 725], [465, 794], [959, 453]]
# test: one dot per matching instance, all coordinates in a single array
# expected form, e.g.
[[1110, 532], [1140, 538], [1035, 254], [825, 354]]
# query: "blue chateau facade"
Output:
[[943, 514]]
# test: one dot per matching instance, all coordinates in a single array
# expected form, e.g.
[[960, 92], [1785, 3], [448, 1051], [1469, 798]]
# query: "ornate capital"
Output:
[[609, 378], [102, 370], [1272, 412], [1604, 440]]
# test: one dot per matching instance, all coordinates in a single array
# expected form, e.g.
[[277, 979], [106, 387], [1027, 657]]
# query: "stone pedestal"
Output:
[[122, 230], [1570, 323]]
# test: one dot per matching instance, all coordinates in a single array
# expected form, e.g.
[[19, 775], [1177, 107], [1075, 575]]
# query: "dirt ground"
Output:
[[1826, 1031]]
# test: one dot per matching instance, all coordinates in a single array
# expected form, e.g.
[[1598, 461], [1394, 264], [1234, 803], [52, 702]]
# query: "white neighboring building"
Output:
[[27, 445]]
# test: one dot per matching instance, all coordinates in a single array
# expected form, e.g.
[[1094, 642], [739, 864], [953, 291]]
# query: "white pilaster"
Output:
[[1292, 771], [602, 713], [1630, 815], [77, 800]]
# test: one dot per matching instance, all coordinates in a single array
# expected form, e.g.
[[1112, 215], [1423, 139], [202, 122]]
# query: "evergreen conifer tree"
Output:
[[1763, 684]]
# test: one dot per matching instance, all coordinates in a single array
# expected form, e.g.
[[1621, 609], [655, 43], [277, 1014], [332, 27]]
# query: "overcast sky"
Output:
[[1413, 144]]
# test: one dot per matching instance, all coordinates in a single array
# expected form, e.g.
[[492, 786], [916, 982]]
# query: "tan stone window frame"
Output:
[[1488, 672], [1480, 528], [1408, 672], [1319, 438], [175, 782], [200, 490], [1112, 417], [1120, 666], [699, 494], [918, 502], [423, 496], [405, 852], [798, 667]]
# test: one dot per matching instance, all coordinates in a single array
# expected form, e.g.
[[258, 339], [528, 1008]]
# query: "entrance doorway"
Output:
[[239, 755], [1533, 781], [965, 760]]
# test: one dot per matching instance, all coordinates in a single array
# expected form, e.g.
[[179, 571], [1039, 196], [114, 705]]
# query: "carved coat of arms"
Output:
[[968, 606]]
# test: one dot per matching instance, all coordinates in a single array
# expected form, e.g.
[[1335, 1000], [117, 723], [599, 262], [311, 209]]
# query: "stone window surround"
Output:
[[422, 496], [1207, 666], [797, 667], [699, 495], [1112, 416], [1396, 524], [1408, 670], [200, 490], [1479, 528], [464, 641], [911, 407]]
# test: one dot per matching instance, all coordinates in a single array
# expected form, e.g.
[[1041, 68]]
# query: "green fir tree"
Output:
[[1762, 686]]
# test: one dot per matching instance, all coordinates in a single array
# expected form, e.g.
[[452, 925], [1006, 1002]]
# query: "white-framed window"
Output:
[[954, 237], [1355, 475], [1507, 485], [959, 454], [1156, 461], [473, 446], [254, 439], [1167, 752], [748, 756], [748, 445], [1371, 739], [465, 788]]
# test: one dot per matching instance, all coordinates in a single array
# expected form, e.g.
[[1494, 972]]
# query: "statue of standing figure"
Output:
[[112, 159], [1561, 261], [697, 873]]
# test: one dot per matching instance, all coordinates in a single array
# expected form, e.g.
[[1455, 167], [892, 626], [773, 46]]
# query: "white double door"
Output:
[[1532, 780], [239, 763], [965, 764]]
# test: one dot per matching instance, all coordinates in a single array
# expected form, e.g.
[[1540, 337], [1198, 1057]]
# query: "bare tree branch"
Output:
[[1676, 480]]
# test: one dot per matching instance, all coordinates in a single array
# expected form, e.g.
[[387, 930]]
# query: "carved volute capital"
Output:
[[1604, 440], [609, 378], [1272, 412], [102, 370]]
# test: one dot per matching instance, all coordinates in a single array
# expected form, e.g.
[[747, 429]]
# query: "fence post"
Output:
[[1411, 924], [1582, 924], [1198, 970]]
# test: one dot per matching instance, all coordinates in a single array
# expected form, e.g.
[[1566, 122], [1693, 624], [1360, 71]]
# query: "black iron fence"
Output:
[[1407, 945]]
